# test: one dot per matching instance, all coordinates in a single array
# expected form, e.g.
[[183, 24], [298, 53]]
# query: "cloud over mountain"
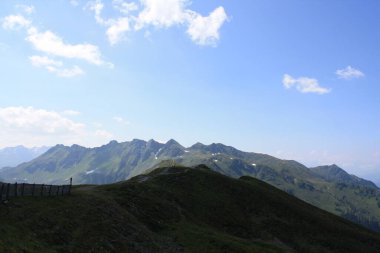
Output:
[[35, 127], [52, 45]]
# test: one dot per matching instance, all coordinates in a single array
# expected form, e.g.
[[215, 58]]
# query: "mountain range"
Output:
[[178, 209], [327, 187], [13, 156]]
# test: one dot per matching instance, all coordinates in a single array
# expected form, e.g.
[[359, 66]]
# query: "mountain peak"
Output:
[[335, 173], [58, 146], [172, 149], [113, 142], [197, 145], [152, 142], [138, 142], [217, 147], [334, 166], [154, 146], [332, 169], [76, 146], [172, 142]]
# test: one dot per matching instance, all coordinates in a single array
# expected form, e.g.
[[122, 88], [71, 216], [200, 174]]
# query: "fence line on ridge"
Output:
[[8, 190]]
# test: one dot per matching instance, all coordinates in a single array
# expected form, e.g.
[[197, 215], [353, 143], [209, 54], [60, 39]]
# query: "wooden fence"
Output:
[[8, 191]]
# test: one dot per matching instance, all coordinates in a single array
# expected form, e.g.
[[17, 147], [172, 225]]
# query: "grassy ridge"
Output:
[[178, 210]]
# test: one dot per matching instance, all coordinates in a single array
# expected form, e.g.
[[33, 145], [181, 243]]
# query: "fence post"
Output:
[[16, 189], [22, 189], [7, 194], [1, 192], [71, 183], [34, 185], [6, 190]]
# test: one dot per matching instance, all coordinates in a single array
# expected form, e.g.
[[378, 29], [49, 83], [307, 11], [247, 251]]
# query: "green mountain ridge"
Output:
[[335, 173], [327, 187], [178, 209]]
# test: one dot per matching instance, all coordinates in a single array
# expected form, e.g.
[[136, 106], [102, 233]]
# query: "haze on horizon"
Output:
[[293, 79]]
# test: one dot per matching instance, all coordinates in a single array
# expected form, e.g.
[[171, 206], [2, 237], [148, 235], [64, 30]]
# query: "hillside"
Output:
[[178, 209], [327, 187]]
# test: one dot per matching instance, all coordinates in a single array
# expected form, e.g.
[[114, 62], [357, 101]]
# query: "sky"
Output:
[[292, 78]]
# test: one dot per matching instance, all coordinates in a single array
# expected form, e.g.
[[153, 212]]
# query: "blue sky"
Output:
[[295, 79]]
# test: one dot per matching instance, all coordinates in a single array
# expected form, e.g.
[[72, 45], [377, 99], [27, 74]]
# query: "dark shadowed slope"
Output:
[[178, 209]]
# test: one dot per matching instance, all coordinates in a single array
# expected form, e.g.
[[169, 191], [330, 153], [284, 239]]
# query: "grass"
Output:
[[177, 210]]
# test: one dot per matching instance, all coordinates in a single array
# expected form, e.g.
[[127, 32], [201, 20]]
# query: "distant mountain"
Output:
[[333, 173], [327, 187], [179, 209], [108, 163], [13, 156]]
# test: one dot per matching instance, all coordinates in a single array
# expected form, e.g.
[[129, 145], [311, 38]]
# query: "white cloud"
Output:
[[36, 127], [349, 73], [50, 43], [166, 13], [67, 72], [97, 7], [161, 14], [121, 120], [15, 22], [53, 45], [55, 66], [124, 7], [304, 84], [37, 121], [43, 61], [205, 30], [117, 30], [28, 9]]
